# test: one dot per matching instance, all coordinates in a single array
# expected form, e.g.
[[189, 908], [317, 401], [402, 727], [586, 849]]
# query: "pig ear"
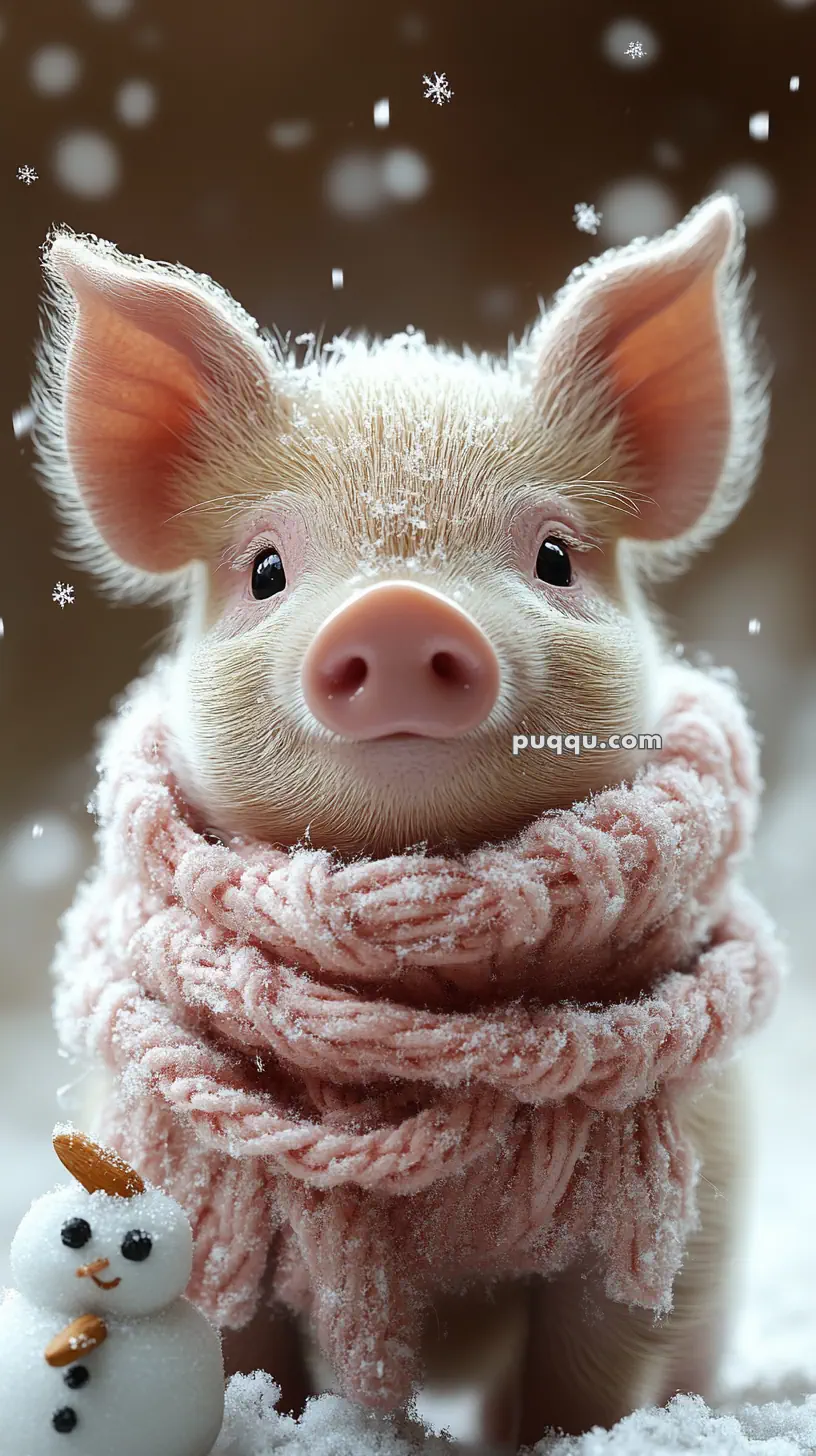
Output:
[[146, 372], [657, 331]]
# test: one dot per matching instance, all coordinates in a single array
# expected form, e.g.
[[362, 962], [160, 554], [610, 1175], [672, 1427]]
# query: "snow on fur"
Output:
[[441, 392]]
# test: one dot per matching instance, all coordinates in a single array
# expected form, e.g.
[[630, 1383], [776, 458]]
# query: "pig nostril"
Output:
[[450, 669], [399, 659], [349, 677]]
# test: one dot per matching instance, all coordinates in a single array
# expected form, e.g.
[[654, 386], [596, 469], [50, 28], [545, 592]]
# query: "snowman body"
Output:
[[100, 1353], [155, 1387]]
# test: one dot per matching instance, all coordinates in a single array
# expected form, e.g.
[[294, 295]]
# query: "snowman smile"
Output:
[[91, 1271]]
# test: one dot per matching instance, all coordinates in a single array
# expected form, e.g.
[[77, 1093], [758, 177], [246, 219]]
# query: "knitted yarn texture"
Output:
[[368, 1080]]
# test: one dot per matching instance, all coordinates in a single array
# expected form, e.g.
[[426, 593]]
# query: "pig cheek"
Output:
[[220, 719], [596, 683]]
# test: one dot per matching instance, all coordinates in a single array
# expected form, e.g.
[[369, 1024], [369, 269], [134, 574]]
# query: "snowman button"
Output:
[[64, 1420], [76, 1377]]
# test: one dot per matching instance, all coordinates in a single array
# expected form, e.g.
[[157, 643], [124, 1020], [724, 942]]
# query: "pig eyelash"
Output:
[[241, 560], [573, 542], [566, 534]]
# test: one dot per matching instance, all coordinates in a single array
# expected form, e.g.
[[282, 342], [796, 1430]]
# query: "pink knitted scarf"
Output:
[[370, 1070]]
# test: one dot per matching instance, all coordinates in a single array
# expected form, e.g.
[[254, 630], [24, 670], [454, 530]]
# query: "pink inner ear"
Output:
[[648, 324], [157, 367], [671, 376], [130, 401]]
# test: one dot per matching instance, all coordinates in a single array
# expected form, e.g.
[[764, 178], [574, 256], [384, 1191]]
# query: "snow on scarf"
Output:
[[371, 1071]]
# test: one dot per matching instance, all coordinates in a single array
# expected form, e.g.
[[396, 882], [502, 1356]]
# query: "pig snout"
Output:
[[400, 658]]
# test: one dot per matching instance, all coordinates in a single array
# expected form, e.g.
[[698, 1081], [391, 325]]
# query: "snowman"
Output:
[[99, 1352]]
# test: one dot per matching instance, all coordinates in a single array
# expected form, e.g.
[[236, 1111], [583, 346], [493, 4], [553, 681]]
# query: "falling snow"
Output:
[[794, 83], [63, 594], [21, 421], [405, 175], [635, 50], [759, 126], [289, 135], [109, 9], [87, 164], [754, 626], [438, 89], [382, 112], [27, 174], [54, 69], [136, 102], [337, 278], [587, 218], [755, 190]]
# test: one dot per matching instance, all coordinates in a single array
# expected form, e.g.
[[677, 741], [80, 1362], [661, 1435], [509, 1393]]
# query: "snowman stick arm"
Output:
[[77, 1339]]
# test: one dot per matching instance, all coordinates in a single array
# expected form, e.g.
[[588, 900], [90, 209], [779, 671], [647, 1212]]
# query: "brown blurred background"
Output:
[[240, 139]]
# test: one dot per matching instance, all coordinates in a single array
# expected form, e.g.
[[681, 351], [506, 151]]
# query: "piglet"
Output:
[[385, 560]]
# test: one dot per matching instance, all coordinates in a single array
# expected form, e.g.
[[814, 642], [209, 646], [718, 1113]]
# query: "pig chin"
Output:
[[410, 790], [386, 795]]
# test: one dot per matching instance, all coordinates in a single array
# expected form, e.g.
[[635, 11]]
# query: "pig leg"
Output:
[[476, 1339], [590, 1361]]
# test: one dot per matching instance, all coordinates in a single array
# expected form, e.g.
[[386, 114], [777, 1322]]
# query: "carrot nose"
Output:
[[95, 1268]]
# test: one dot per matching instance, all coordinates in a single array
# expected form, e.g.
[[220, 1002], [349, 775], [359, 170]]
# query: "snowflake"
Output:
[[438, 89], [587, 218], [63, 594], [635, 50], [27, 174]]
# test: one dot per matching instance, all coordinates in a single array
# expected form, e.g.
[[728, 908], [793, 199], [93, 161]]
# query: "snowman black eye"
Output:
[[136, 1246], [76, 1233], [553, 563], [268, 575]]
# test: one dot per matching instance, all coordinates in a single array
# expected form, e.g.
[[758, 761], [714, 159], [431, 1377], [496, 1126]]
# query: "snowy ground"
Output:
[[331, 1427], [772, 1359]]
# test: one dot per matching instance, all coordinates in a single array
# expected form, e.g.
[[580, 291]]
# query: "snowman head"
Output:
[[85, 1250]]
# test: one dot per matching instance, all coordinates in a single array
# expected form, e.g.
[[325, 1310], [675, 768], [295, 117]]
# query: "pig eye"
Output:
[[553, 563], [268, 575]]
